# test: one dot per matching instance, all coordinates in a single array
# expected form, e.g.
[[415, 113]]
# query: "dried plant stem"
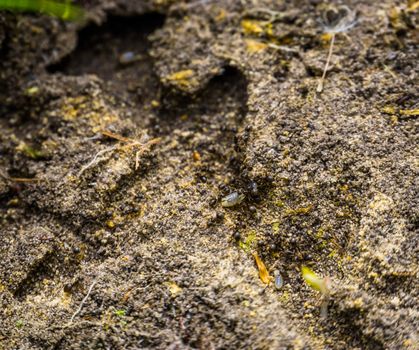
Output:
[[329, 56], [82, 302], [96, 159]]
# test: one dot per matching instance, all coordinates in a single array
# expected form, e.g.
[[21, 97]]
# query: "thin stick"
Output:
[[23, 179], [329, 56], [116, 136], [82, 302], [130, 143]]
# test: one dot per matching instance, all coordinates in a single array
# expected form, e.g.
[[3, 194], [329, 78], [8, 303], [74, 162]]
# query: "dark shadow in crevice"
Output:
[[99, 47], [118, 53], [220, 106], [207, 123]]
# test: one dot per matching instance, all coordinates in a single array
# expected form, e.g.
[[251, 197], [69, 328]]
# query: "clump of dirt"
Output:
[[122, 135]]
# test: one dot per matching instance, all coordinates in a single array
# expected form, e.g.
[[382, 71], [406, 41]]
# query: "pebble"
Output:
[[127, 57]]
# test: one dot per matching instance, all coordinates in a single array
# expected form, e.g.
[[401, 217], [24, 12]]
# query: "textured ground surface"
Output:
[[112, 232]]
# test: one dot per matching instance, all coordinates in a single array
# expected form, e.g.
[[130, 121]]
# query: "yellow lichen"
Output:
[[279, 203], [254, 46], [326, 37], [110, 224], [299, 211], [358, 303], [174, 289], [409, 112], [221, 15], [251, 27], [181, 75], [95, 111], [275, 227], [394, 119], [285, 297], [184, 79]]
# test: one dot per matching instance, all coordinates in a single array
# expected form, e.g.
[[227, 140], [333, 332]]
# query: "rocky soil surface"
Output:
[[121, 135]]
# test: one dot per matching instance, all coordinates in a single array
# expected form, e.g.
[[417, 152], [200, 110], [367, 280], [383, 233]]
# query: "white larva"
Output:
[[232, 199]]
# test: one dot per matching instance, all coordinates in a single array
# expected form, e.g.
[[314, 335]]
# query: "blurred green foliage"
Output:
[[64, 10]]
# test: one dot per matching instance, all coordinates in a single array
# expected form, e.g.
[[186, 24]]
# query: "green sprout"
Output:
[[314, 281], [63, 10], [119, 313], [319, 284], [31, 152], [19, 324]]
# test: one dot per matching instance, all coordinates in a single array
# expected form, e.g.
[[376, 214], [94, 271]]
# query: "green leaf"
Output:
[[314, 281]]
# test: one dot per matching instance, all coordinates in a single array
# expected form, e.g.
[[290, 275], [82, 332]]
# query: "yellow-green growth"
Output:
[[32, 152], [299, 211], [314, 281], [275, 227], [119, 313], [63, 10], [249, 242]]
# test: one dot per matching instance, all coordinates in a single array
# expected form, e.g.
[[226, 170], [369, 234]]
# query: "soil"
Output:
[[121, 135]]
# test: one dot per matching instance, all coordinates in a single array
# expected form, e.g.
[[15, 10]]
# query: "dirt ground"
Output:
[[121, 135]]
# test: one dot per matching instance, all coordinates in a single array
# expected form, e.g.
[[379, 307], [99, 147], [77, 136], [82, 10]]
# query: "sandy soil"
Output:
[[120, 137]]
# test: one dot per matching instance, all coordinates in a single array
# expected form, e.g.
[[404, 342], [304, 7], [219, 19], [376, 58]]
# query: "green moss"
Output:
[[31, 152], [279, 204], [120, 313], [299, 211], [320, 233], [285, 297], [275, 227], [249, 242]]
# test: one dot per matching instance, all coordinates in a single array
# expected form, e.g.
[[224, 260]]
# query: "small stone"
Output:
[[253, 187], [127, 58]]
